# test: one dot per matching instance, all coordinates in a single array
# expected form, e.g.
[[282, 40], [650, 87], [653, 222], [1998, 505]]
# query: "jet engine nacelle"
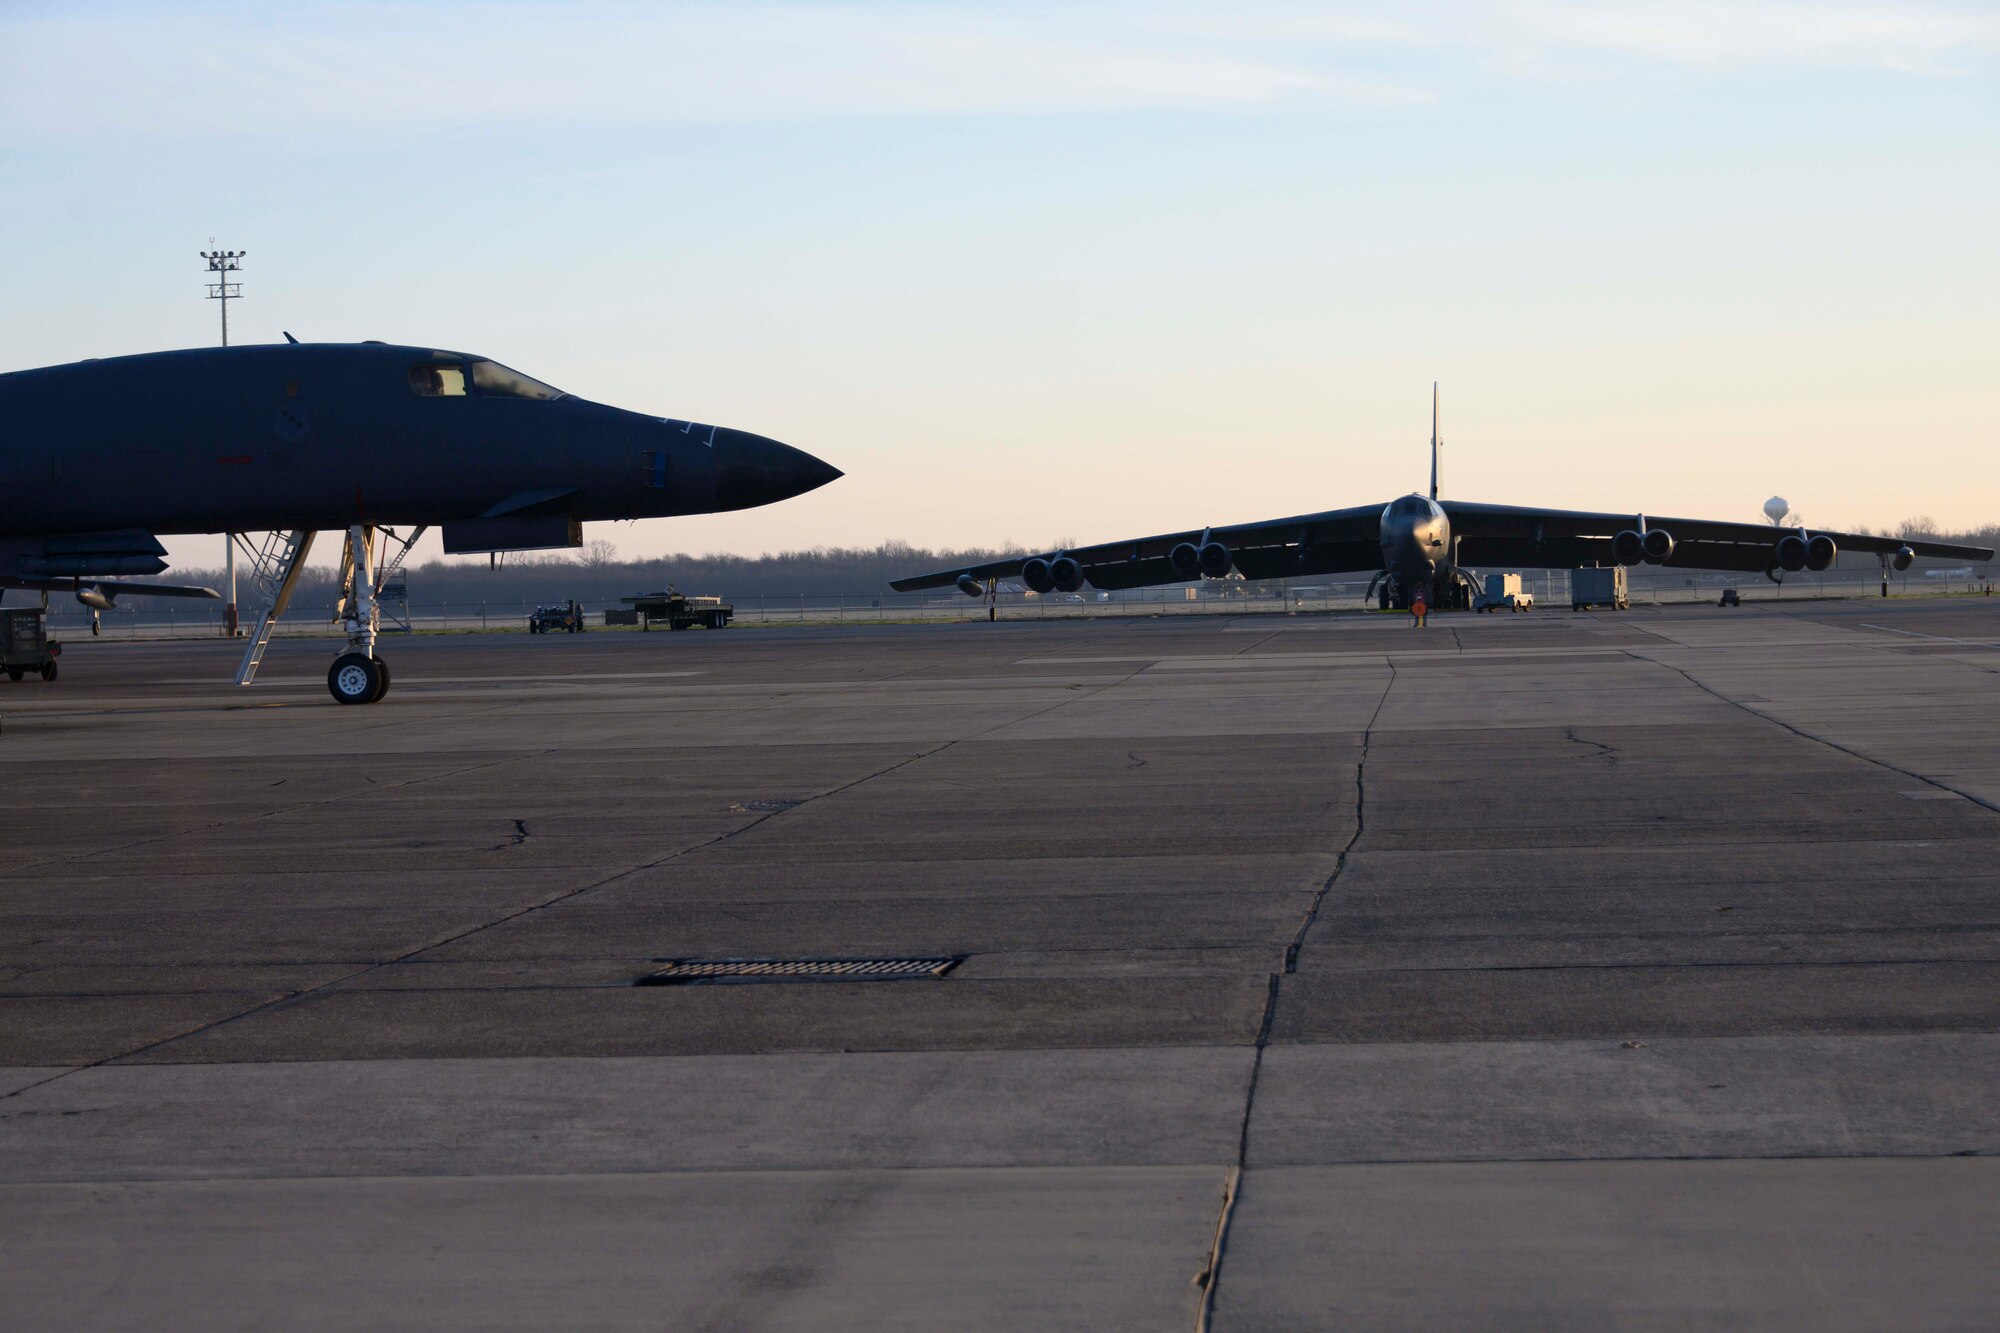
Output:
[[1628, 547], [1903, 558], [96, 598], [1659, 546], [1065, 573], [1791, 553], [1820, 553], [1185, 559], [971, 586], [1035, 574], [1214, 559]]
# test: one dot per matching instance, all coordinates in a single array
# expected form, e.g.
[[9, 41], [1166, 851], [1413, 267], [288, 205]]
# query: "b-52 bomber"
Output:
[[102, 457], [1420, 545]]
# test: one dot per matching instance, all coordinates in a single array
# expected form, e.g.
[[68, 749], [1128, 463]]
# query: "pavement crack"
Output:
[[1663, 638], [1360, 823], [1232, 1183], [1598, 749], [1249, 648], [213, 825], [1803, 734], [1211, 1274]]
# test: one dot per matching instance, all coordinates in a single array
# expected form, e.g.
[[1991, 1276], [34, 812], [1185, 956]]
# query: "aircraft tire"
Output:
[[382, 666], [48, 671], [15, 673], [356, 678]]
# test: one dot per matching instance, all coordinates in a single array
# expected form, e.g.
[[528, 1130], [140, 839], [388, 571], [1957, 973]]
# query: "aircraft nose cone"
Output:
[[751, 470]]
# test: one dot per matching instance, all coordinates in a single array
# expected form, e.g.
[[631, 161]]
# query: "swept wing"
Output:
[[1556, 538], [1335, 541]]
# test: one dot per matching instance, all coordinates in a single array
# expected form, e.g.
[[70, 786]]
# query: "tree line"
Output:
[[595, 574]]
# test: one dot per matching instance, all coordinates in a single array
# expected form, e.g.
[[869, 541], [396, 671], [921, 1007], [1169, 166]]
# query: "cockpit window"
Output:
[[437, 381], [1410, 505], [494, 380]]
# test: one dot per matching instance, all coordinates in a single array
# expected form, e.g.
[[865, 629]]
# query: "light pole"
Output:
[[222, 263]]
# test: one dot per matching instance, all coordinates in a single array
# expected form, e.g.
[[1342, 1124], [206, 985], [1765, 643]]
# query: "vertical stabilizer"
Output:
[[1436, 443]]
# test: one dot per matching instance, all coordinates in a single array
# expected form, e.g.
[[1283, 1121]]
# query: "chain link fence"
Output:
[[153, 618]]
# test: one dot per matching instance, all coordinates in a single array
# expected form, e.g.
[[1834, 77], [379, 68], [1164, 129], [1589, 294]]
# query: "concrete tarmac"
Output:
[[1634, 970]]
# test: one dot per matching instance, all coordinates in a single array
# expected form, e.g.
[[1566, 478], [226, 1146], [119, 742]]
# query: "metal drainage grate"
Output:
[[741, 971]]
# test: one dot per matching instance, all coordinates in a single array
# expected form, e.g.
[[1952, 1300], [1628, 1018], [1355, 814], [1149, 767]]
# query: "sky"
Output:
[[1034, 273]]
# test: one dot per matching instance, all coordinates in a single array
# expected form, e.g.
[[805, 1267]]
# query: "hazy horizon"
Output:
[[1095, 270]]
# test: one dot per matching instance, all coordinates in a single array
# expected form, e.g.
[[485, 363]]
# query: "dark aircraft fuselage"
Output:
[[1416, 547], [324, 436]]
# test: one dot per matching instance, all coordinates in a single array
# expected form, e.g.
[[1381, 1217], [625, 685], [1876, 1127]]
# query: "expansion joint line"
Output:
[[291, 998], [1211, 1273], [1804, 735]]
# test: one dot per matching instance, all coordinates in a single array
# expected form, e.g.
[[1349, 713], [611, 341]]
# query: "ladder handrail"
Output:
[[275, 573]]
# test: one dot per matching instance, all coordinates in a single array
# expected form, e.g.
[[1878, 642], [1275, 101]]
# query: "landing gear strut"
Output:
[[358, 676]]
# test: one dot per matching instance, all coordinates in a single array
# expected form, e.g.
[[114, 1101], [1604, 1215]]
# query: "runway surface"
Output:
[[1625, 970]]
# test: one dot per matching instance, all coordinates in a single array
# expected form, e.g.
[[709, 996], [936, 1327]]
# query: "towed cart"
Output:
[[1504, 591], [680, 612], [561, 618], [25, 644]]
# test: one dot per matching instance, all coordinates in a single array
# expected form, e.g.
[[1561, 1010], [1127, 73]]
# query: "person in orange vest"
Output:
[[1419, 612]]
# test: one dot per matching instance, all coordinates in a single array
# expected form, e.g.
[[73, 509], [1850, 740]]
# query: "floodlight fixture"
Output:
[[222, 262]]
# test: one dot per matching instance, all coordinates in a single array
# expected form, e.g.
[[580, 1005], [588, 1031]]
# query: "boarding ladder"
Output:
[[392, 594], [404, 546], [274, 572]]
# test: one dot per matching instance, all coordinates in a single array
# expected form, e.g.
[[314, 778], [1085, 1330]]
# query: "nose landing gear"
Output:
[[358, 676]]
